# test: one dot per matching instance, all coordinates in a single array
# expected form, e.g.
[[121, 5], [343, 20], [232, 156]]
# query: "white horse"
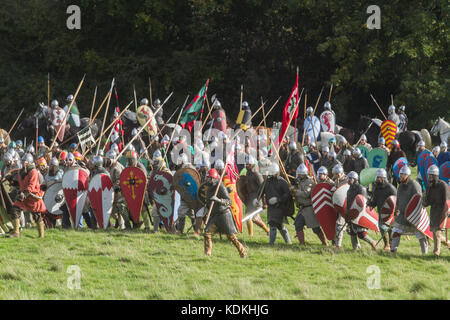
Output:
[[443, 127]]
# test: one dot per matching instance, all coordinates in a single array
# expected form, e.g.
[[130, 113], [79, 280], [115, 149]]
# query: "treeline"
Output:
[[252, 42]]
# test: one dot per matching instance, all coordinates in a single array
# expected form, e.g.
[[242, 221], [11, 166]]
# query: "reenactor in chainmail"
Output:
[[305, 216], [277, 194], [339, 179], [294, 159], [436, 196], [359, 162], [119, 211], [158, 164], [381, 191], [220, 219], [255, 182], [355, 230], [406, 190]]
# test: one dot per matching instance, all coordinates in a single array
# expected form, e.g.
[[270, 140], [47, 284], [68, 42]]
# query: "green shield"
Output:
[[377, 158], [364, 150], [367, 176]]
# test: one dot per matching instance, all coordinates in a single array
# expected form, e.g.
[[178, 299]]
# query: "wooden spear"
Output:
[[150, 87], [67, 113], [378, 107], [15, 122], [329, 95], [100, 108], [93, 104], [106, 112], [110, 125]]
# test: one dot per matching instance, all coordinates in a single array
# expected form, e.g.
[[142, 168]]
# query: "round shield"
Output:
[[186, 182], [444, 171], [54, 198], [398, 165]]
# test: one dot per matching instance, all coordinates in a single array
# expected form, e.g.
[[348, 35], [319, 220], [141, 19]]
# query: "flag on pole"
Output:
[[194, 109], [230, 165], [290, 110]]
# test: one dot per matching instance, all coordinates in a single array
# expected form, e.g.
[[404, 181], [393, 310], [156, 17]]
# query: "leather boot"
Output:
[[395, 243], [250, 227], [301, 237], [40, 227], [437, 243], [234, 240], [262, 225], [208, 243], [198, 226], [322, 238], [370, 241], [16, 231]]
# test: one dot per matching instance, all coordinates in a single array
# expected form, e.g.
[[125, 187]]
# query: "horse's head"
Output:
[[363, 123], [434, 130]]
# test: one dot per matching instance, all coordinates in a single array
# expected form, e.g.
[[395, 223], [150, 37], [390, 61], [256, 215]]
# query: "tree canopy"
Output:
[[259, 44]]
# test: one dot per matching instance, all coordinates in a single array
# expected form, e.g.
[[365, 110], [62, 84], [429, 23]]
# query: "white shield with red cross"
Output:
[[362, 215]]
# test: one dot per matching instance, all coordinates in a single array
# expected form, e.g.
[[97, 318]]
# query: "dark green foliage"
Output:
[[252, 42]]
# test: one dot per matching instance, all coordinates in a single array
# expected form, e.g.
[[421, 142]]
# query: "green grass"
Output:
[[137, 265]]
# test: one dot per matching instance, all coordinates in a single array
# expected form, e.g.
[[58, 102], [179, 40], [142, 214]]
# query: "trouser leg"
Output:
[[250, 227], [15, 217], [272, 235], [364, 236], [395, 241], [423, 242], [285, 234], [437, 242]]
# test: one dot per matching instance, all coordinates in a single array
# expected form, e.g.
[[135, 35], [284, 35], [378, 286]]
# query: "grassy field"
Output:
[[137, 265]]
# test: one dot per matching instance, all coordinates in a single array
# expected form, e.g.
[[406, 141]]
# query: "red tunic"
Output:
[[31, 184]]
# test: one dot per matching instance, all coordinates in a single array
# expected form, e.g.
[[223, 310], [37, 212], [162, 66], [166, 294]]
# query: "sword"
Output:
[[251, 215]]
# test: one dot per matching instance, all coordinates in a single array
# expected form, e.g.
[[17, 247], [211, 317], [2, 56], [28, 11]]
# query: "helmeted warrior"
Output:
[[355, 230], [403, 119], [339, 179], [444, 155], [294, 159], [305, 217], [30, 196], [347, 163], [255, 182], [244, 118], [359, 162], [381, 191], [322, 175], [395, 154], [406, 190], [436, 196], [363, 142], [392, 115], [382, 145], [277, 194], [220, 219]]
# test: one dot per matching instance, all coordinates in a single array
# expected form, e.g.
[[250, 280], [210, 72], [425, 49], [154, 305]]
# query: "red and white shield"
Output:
[[57, 117], [416, 214], [101, 195], [388, 209], [75, 188], [323, 208], [328, 121], [362, 215], [340, 199], [445, 224], [162, 190]]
